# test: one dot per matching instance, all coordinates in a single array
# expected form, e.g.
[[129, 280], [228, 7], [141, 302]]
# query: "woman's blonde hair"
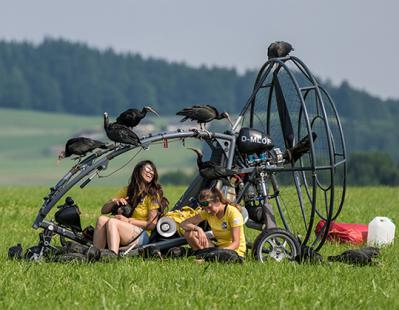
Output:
[[215, 194]]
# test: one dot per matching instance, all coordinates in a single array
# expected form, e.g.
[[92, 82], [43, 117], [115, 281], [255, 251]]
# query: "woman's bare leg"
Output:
[[193, 241], [100, 232], [120, 233]]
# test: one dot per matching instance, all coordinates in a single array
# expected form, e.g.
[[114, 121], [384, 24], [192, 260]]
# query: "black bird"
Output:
[[132, 117], [294, 153], [210, 170], [80, 147], [356, 257], [15, 252], [120, 133], [202, 114], [279, 49]]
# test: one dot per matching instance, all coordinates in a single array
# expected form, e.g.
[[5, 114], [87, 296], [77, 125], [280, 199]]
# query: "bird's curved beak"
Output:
[[61, 156], [153, 111]]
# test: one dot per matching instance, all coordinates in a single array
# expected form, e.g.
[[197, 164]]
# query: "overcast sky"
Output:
[[353, 40]]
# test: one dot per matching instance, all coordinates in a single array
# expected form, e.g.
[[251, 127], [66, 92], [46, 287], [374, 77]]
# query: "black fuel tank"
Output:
[[251, 141], [69, 215]]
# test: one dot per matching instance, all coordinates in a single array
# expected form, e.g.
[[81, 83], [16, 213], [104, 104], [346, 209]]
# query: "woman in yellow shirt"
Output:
[[144, 194], [225, 220]]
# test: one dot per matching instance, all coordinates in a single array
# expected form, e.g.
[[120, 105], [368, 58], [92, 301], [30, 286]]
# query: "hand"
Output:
[[202, 238], [122, 218], [121, 201]]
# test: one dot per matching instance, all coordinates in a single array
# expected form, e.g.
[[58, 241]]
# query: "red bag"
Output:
[[345, 232]]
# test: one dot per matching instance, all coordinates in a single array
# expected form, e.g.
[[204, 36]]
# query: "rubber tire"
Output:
[[268, 234]]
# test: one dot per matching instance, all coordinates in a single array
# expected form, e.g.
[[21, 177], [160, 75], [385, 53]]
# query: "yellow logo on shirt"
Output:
[[224, 225]]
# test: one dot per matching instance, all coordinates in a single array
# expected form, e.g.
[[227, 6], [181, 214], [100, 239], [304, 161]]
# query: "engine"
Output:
[[257, 147], [252, 141]]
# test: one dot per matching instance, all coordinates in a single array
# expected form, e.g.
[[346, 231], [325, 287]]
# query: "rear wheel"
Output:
[[277, 244]]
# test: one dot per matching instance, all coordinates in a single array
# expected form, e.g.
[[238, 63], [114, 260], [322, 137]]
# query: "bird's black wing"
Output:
[[189, 113], [354, 257], [279, 49], [129, 118], [212, 109], [211, 171], [82, 145], [94, 143], [125, 135]]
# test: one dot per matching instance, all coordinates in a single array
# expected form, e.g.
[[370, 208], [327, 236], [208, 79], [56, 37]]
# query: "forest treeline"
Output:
[[365, 169], [61, 76]]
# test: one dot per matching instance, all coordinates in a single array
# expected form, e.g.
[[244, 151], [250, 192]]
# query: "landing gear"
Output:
[[277, 244]]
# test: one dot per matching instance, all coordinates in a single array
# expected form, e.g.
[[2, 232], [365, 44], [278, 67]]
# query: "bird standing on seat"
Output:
[[120, 133], [210, 170], [132, 117], [203, 114], [80, 147], [279, 49]]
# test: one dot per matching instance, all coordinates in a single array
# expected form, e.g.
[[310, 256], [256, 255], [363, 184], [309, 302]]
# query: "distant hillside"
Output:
[[30, 142], [61, 76]]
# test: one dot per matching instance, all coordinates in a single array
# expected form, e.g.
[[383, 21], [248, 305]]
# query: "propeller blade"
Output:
[[284, 115]]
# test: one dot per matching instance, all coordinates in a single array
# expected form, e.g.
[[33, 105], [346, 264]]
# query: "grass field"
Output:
[[175, 284]]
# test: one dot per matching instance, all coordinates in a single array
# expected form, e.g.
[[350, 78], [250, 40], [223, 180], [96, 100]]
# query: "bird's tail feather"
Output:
[[184, 119]]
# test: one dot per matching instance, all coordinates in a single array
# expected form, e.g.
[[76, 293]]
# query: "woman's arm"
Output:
[[149, 224], [152, 219], [107, 207], [235, 236], [191, 223]]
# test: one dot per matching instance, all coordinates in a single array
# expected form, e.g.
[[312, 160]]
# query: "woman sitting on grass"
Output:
[[144, 195], [225, 220]]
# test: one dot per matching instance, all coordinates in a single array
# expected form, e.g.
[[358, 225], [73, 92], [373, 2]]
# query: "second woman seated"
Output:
[[225, 220], [144, 194]]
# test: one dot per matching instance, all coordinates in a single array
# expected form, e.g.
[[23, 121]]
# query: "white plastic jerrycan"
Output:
[[381, 231]]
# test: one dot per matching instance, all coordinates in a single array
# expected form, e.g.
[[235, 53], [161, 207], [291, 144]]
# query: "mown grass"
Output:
[[176, 284]]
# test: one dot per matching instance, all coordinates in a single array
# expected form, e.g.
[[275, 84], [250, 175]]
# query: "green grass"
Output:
[[177, 284], [29, 142]]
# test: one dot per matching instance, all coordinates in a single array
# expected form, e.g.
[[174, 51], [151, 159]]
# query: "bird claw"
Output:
[[145, 147], [77, 158], [202, 134], [208, 133], [195, 130]]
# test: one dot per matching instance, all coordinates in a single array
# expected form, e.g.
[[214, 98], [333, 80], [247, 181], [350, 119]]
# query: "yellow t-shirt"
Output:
[[143, 208], [222, 227]]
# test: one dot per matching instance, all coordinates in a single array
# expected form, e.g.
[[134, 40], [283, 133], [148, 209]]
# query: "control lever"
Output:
[[88, 180]]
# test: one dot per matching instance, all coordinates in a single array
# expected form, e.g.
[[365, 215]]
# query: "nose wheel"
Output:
[[277, 244]]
